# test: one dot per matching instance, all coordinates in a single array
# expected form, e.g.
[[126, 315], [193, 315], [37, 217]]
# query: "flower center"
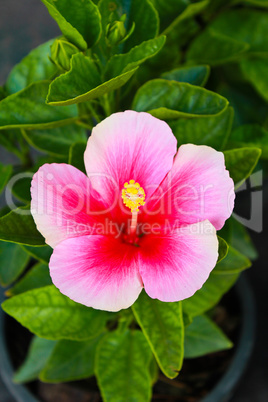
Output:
[[133, 197]]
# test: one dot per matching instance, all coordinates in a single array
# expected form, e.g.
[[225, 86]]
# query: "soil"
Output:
[[197, 377]]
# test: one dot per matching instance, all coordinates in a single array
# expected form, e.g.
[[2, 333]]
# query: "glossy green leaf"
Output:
[[70, 360], [154, 371], [121, 63], [195, 75], [19, 227], [244, 25], [203, 336], [38, 354], [21, 187], [223, 249], [122, 367], [221, 279], [28, 109], [76, 155], [256, 72], [215, 48], [192, 9], [168, 10], [170, 100], [212, 130], [5, 173], [241, 163], [49, 314], [162, 325], [8, 140], [250, 135], [36, 66], [13, 261], [140, 12], [56, 141], [237, 235], [234, 262], [258, 3], [79, 20], [248, 106], [210, 294], [82, 83], [3, 93], [37, 277], [39, 253]]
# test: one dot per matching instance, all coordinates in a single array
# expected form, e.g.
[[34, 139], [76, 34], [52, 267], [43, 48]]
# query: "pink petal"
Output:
[[97, 271], [62, 203], [129, 146], [174, 266], [197, 188]]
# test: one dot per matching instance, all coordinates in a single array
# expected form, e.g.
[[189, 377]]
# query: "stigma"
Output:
[[133, 195]]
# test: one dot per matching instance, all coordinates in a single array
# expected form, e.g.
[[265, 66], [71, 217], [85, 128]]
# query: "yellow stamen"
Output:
[[133, 195]]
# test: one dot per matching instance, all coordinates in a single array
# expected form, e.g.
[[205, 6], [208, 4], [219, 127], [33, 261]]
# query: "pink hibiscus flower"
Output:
[[139, 219]]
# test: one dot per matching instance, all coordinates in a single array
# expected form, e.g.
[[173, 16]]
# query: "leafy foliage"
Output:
[[200, 65]]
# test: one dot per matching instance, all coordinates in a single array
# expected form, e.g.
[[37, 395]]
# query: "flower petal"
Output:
[[63, 203], [175, 266], [129, 146], [197, 188], [97, 271]]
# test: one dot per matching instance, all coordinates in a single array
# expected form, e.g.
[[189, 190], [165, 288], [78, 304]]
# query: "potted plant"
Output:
[[109, 206]]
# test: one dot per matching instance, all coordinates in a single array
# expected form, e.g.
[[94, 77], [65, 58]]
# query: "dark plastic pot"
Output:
[[223, 390]]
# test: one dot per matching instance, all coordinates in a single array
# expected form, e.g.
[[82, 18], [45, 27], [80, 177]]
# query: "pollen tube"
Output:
[[133, 197]]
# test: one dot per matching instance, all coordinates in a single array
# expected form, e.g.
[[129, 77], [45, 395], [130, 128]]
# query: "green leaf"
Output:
[[168, 10], [223, 249], [195, 75], [79, 20], [38, 354], [122, 367], [140, 12], [76, 156], [21, 187], [27, 109], [241, 163], [251, 135], [18, 227], [221, 279], [82, 83], [121, 63], [215, 48], [13, 261], [248, 105], [190, 11], [162, 325], [255, 71], [42, 254], [37, 277], [203, 336], [170, 100], [36, 66], [233, 263], [5, 173], [244, 25], [237, 235], [258, 3], [70, 360], [49, 314], [8, 140], [56, 141], [212, 130]]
